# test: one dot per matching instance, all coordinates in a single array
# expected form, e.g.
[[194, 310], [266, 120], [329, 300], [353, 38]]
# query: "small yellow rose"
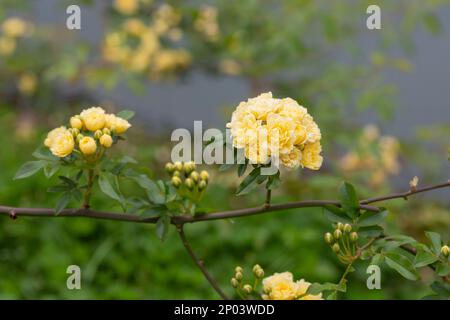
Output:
[[60, 141], [106, 140], [93, 118], [311, 157], [87, 146], [76, 123], [116, 124]]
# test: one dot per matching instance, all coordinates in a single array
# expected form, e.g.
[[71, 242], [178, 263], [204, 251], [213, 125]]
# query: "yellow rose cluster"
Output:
[[206, 23], [11, 30], [267, 127], [91, 131], [137, 46], [281, 286]]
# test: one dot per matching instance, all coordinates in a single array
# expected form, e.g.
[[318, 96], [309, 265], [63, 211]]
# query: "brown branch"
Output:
[[181, 219], [199, 262]]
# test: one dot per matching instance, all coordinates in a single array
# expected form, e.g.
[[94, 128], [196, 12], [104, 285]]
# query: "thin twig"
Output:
[[199, 263], [268, 197]]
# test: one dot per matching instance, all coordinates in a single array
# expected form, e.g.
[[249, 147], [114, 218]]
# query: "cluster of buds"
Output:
[[343, 241], [445, 251], [244, 289], [184, 174]]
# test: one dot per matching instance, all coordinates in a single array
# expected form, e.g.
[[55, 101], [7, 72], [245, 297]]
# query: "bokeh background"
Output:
[[379, 96]]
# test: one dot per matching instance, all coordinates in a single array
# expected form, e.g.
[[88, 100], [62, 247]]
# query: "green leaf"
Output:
[[30, 168], [62, 203], [155, 193], [335, 214], [108, 186], [349, 200], [369, 218], [126, 114], [402, 265], [67, 181], [442, 289], [443, 270], [249, 183], [51, 169], [44, 154], [435, 239], [162, 226], [424, 258], [317, 288], [241, 169], [370, 232], [377, 259], [274, 181]]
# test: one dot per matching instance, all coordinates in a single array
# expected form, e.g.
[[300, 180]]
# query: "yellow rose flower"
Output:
[[281, 134], [87, 146], [292, 160], [281, 286], [76, 123], [27, 83], [53, 134], [313, 131], [60, 141], [257, 146], [93, 118], [127, 7], [14, 27], [311, 157], [106, 140], [7, 45], [116, 124]]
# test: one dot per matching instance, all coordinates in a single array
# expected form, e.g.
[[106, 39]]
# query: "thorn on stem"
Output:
[[13, 215]]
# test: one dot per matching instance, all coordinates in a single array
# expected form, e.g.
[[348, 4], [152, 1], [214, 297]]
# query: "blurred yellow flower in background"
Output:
[[27, 83], [126, 7], [14, 27], [7, 45]]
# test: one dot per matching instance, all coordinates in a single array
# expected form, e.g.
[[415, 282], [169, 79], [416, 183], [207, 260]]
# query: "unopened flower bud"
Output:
[[178, 166], [195, 176], [98, 134], [106, 131], [88, 146], [202, 185], [75, 132], [340, 226], [106, 140], [353, 236], [239, 276], [337, 234], [247, 289], [445, 250], [238, 269], [189, 167], [189, 183], [256, 267], [169, 167], [259, 273], [76, 123], [328, 238], [336, 248], [347, 228], [204, 175], [234, 283], [176, 181], [176, 173]]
